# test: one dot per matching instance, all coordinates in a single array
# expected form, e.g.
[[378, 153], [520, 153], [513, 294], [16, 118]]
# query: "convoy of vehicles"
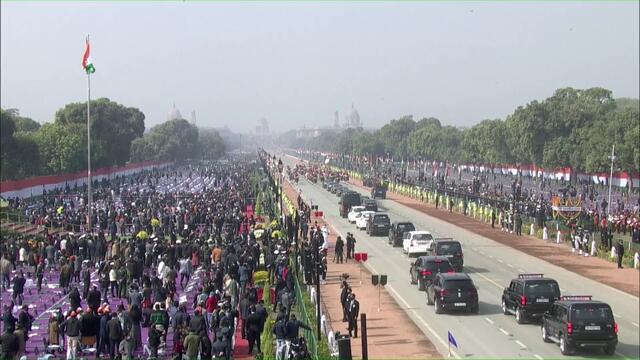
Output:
[[573, 322]]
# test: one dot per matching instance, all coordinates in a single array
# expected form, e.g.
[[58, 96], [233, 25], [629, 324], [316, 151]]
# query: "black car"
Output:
[[397, 230], [425, 268], [452, 291], [370, 205], [577, 322], [347, 200], [379, 224], [379, 191], [529, 296], [452, 249]]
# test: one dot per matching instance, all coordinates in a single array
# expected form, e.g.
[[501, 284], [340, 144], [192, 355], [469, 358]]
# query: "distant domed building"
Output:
[[174, 114], [352, 119]]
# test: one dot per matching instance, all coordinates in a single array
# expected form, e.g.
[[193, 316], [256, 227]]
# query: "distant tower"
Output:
[[193, 117], [174, 113], [353, 118], [336, 120]]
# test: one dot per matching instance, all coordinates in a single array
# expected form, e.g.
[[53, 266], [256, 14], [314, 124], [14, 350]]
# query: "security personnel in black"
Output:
[[620, 253], [351, 246], [344, 294], [354, 311]]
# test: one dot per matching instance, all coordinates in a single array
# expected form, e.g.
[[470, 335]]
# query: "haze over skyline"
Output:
[[297, 63]]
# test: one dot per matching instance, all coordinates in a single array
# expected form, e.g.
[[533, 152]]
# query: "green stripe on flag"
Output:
[[90, 69]]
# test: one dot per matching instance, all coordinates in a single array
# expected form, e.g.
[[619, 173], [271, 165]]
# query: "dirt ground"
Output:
[[391, 334], [597, 269]]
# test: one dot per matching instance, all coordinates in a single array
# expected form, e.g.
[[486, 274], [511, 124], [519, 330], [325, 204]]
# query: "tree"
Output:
[[173, 140], [113, 129], [62, 148], [26, 124], [486, 143], [212, 146]]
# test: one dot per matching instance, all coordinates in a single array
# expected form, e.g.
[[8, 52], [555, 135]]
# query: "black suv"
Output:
[[452, 291], [397, 230], [378, 224], [579, 322], [425, 268], [529, 296], [379, 191], [370, 205], [452, 249]]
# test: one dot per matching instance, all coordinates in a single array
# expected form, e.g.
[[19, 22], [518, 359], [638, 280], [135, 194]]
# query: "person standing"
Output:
[[280, 331], [18, 288], [8, 344], [72, 328], [253, 329], [620, 253], [493, 218], [192, 345], [338, 256], [115, 336], [354, 311]]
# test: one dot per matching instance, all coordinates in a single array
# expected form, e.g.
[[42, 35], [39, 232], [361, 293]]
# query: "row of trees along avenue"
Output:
[[573, 128], [117, 137]]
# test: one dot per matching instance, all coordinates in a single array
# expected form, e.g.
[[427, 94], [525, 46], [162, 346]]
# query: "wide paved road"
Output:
[[492, 266]]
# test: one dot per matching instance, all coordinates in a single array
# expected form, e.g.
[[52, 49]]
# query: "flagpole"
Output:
[[89, 197]]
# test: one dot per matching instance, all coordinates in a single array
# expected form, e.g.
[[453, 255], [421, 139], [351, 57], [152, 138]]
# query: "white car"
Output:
[[416, 242], [361, 221], [355, 210]]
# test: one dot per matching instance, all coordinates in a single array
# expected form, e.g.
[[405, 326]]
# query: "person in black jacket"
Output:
[[354, 310], [8, 344], [253, 327], [154, 342], [18, 287], [115, 336], [72, 328], [219, 348], [620, 253], [103, 338], [8, 320], [344, 294], [93, 298], [293, 328], [205, 347]]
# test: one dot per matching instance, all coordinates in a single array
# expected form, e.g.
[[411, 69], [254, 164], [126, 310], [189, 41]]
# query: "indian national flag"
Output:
[[87, 64]]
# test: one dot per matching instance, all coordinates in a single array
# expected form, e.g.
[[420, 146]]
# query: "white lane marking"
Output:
[[481, 252], [504, 331], [500, 261], [634, 324], [617, 315], [489, 280], [538, 357], [511, 266], [417, 316], [521, 270], [489, 321], [521, 344]]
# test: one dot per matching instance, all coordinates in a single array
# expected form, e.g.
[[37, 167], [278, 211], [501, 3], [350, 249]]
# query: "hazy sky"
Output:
[[296, 63]]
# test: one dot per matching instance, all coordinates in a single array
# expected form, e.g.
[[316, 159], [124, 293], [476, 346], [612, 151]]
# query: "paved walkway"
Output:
[[627, 280], [391, 333]]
